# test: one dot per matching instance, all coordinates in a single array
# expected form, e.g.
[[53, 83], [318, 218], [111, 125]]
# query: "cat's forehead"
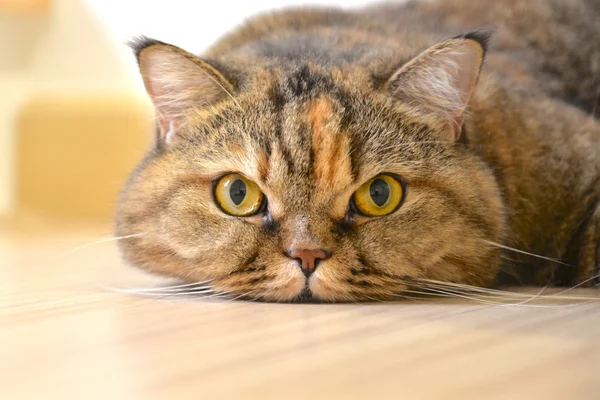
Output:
[[302, 138], [309, 155]]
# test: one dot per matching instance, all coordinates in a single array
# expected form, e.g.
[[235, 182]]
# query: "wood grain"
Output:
[[64, 335]]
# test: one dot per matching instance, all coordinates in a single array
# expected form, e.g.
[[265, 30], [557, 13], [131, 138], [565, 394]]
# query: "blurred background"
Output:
[[74, 118]]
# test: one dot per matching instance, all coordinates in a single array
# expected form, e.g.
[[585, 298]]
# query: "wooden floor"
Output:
[[64, 335]]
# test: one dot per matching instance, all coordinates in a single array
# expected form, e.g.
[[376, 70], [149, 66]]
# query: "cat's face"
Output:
[[308, 183]]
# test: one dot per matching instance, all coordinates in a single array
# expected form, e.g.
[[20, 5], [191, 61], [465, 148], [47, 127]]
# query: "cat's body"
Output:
[[311, 104]]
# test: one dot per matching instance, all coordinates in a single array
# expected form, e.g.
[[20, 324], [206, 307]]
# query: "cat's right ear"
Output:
[[177, 82]]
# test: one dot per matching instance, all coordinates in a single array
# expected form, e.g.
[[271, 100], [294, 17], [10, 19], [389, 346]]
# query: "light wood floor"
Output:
[[64, 335]]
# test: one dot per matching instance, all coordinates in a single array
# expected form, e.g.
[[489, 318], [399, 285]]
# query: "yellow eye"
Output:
[[380, 196], [238, 196]]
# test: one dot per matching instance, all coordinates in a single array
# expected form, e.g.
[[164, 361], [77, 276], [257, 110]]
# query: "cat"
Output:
[[332, 155]]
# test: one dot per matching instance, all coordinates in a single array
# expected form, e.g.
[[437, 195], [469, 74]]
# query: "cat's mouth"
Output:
[[306, 296]]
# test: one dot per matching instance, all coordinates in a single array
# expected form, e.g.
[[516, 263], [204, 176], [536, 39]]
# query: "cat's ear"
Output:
[[177, 82], [441, 79]]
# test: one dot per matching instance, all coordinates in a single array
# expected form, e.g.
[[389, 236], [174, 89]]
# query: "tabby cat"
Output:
[[334, 155]]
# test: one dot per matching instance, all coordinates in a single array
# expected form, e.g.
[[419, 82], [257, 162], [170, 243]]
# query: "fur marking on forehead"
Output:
[[331, 161]]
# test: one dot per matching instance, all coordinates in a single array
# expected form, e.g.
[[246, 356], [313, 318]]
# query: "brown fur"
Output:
[[311, 104]]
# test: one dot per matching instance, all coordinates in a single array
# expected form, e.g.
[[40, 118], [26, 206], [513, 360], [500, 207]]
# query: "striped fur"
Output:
[[310, 104]]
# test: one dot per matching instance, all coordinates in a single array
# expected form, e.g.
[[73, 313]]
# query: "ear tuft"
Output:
[[139, 43], [441, 80], [481, 36]]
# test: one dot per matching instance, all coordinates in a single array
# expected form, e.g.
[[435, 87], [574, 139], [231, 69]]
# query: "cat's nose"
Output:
[[308, 258]]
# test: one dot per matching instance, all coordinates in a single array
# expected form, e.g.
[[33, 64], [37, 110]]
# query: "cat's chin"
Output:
[[315, 290], [304, 290], [306, 296]]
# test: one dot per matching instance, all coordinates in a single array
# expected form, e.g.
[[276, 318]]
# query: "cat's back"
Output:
[[330, 35], [548, 44]]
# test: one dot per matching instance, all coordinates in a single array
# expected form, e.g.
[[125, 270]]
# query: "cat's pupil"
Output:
[[237, 191], [380, 192]]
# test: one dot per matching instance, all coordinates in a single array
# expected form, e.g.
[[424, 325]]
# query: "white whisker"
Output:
[[104, 240], [150, 289], [193, 292], [172, 294], [579, 284], [478, 300], [507, 298], [212, 296], [240, 296], [524, 252], [495, 293], [412, 298], [170, 289], [537, 295]]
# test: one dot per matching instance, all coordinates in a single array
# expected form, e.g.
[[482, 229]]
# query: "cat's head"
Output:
[[282, 182]]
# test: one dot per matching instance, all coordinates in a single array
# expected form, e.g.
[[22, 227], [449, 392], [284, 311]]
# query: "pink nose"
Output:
[[308, 258]]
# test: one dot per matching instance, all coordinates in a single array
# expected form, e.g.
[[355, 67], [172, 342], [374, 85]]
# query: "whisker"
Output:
[[526, 252], [507, 294], [448, 289], [426, 293], [194, 292], [472, 298], [104, 240], [537, 295], [469, 288], [157, 290], [522, 303], [77, 239], [378, 300], [579, 284], [213, 296], [165, 295], [242, 295], [474, 293], [163, 289], [412, 298]]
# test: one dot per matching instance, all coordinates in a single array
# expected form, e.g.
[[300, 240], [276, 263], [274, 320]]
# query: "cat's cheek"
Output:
[[324, 290], [327, 284], [193, 227], [331, 290], [286, 282], [281, 280], [209, 246]]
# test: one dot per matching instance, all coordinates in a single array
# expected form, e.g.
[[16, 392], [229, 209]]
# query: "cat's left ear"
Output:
[[177, 82], [440, 81]]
